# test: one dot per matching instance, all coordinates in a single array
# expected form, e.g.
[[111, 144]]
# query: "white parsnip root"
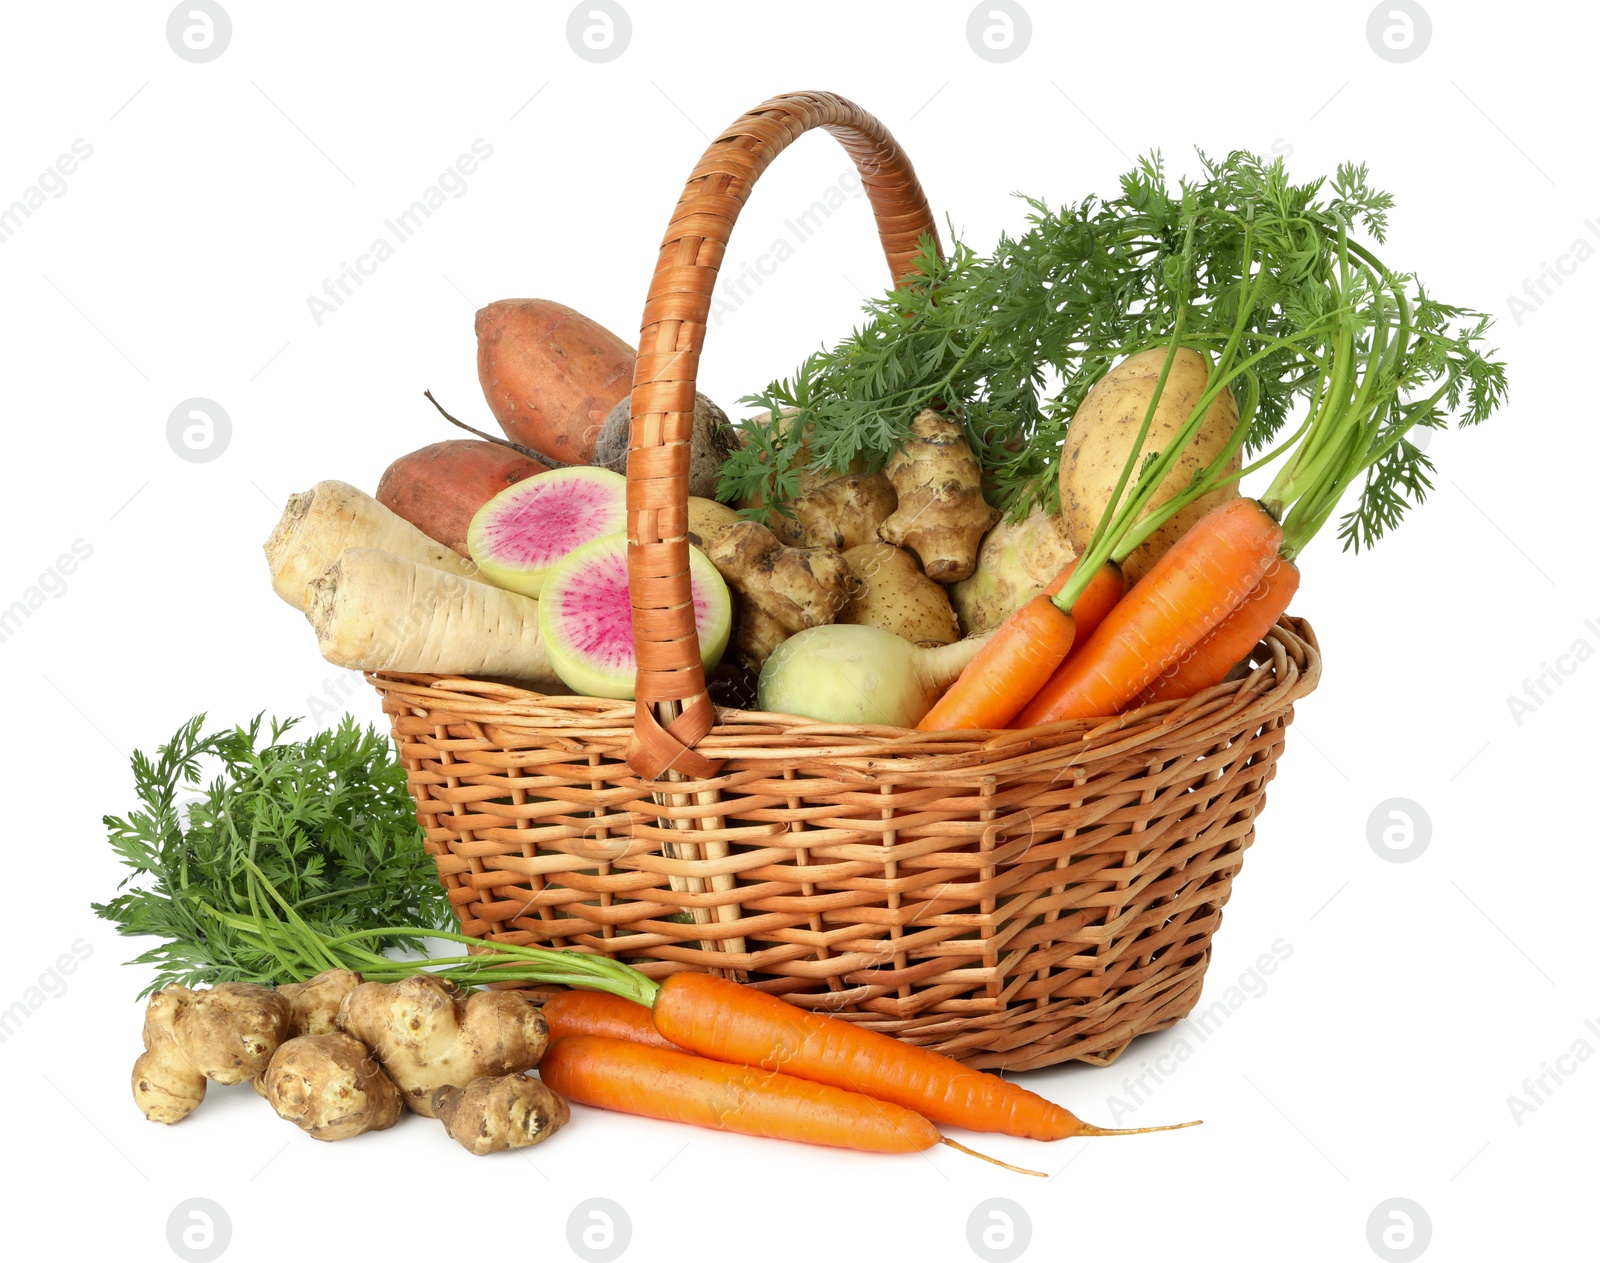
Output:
[[373, 611], [320, 524]]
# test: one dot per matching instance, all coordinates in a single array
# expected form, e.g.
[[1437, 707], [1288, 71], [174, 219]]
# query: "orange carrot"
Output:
[[726, 1022], [1018, 658], [1209, 662], [1195, 585], [1021, 655], [618, 1074], [596, 1013], [1090, 609]]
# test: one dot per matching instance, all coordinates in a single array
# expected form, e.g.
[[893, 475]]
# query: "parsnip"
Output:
[[373, 611], [319, 524]]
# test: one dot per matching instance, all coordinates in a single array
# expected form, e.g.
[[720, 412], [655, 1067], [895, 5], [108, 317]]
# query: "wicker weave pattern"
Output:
[[1013, 899], [1041, 896]]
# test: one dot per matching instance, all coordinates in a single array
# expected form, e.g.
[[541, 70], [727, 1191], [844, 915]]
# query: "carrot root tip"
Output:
[[957, 1145], [1091, 1130]]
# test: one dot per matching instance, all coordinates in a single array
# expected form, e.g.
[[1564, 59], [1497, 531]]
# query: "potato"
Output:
[[1016, 561], [706, 518], [1105, 425], [895, 596]]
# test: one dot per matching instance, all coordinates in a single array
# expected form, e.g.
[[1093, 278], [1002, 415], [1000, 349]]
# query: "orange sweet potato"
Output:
[[439, 487], [550, 374]]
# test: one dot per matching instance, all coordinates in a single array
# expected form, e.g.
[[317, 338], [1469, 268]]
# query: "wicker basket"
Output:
[[1016, 898]]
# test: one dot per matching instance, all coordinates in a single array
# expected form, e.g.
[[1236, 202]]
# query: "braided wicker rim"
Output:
[[1012, 898]]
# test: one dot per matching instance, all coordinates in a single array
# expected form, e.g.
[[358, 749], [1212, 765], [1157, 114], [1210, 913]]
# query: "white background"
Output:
[[177, 263]]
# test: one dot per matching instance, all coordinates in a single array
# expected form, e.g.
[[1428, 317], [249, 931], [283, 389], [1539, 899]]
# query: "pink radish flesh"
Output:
[[587, 620], [526, 529]]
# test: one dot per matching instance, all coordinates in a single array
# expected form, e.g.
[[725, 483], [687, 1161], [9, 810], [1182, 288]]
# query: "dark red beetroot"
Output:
[[550, 375], [439, 487]]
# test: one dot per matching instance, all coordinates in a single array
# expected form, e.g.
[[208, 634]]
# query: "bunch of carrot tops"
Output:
[[1294, 316]]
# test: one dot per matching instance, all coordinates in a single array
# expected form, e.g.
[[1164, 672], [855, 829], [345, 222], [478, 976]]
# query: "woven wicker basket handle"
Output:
[[673, 712]]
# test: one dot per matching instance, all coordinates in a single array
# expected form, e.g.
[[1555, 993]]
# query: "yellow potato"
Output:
[[1104, 427], [894, 595]]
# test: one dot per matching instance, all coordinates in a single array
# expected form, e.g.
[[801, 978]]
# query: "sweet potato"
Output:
[[550, 375], [439, 487]]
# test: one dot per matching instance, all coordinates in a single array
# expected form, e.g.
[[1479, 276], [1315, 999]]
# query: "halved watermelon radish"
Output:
[[524, 530], [587, 623]]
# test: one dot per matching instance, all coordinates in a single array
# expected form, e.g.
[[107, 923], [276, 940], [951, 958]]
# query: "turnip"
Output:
[[849, 673], [586, 619], [524, 530]]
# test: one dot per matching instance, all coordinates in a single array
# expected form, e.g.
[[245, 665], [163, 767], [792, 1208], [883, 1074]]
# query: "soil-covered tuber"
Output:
[[782, 590], [942, 514], [330, 1087], [713, 438], [491, 1115], [429, 1036]]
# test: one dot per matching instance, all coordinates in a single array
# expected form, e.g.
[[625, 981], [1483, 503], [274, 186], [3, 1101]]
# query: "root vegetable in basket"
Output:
[[941, 514], [782, 590], [706, 521], [225, 1034], [851, 674], [429, 1036], [520, 534], [439, 487], [376, 612], [1104, 427], [1016, 562], [330, 1087], [586, 617], [709, 444], [491, 1115], [893, 594], [550, 374], [828, 508], [320, 524]]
